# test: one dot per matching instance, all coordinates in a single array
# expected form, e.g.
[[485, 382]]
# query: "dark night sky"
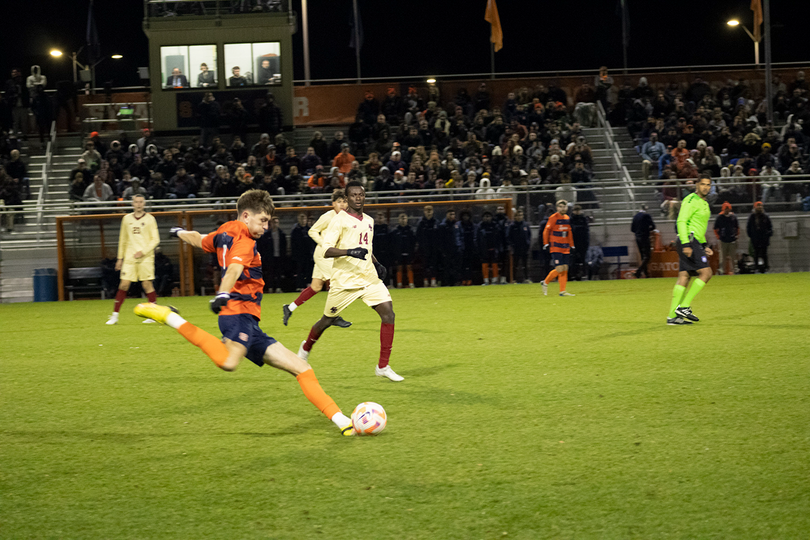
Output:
[[427, 37]]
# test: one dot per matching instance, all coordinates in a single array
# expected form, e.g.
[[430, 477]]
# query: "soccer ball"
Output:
[[369, 418]]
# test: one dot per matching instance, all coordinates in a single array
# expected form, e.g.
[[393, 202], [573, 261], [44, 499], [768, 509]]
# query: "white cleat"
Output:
[[388, 373], [545, 287], [302, 354], [566, 293], [149, 321], [113, 318]]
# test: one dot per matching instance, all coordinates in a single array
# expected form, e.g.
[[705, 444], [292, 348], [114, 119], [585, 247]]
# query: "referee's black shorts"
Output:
[[697, 261]]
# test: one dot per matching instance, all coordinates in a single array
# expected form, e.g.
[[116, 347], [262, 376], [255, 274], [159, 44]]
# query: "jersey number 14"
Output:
[[364, 238]]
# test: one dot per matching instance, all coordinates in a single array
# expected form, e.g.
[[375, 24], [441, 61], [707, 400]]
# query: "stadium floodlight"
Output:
[[431, 81], [56, 53], [734, 23], [116, 57]]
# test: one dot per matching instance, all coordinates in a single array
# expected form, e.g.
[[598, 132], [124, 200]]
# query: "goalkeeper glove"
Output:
[[381, 271], [174, 232], [219, 302], [357, 253]]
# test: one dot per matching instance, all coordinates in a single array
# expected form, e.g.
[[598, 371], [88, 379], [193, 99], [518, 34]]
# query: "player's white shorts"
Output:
[[142, 270], [323, 266], [339, 299]]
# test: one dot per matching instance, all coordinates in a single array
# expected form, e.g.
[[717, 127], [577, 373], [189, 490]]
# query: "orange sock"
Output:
[[410, 275], [485, 270], [551, 275], [399, 275], [495, 271], [210, 345], [563, 280], [315, 394]]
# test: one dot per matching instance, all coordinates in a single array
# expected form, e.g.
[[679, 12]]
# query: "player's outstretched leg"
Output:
[[563, 283], [211, 346], [278, 356], [386, 313]]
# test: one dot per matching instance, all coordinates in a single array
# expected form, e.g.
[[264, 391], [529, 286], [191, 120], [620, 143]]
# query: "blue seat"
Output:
[[618, 252]]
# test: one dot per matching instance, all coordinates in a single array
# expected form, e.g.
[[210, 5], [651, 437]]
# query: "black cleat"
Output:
[[677, 321], [286, 313], [685, 313], [339, 322]]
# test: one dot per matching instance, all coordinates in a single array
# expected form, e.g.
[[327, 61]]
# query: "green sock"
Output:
[[677, 294], [697, 286]]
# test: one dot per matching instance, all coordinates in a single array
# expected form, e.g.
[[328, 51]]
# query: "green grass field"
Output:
[[521, 416]]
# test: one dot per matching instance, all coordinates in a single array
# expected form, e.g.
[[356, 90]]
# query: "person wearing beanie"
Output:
[[727, 230], [760, 230]]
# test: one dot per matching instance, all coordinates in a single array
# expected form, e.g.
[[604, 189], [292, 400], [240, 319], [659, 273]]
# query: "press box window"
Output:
[[189, 66], [253, 64]]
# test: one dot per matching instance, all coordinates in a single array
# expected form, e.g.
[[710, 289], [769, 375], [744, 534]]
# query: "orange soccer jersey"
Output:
[[233, 244], [558, 234]]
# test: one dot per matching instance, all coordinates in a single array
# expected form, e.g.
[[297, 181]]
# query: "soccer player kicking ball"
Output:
[[557, 239], [693, 253], [136, 254], [355, 274], [238, 304], [323, 266]]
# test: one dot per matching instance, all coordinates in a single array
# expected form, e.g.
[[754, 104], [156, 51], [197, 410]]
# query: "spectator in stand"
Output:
[[91, 156], [11, 195], [335, 148], [449, 248], [238, 150], [290, 160], [651, 152], [182, 185], [133, 189], [392, 106], [238, 119], [272, 247], [369, 109], [593, 260], [603, 83], [321, 147], [77, 187], [396, 162], [359, 134], [293, 182], [485, 192], [206, 77], [17, 170], [642, 227], [759, 231], [209, 111], [727, 231], [270, 117], [771, 182], [310, 161], [792, 191], [489, 238], [157, 187], [343, 160], [17, 100], [403, 242], [98, 191]]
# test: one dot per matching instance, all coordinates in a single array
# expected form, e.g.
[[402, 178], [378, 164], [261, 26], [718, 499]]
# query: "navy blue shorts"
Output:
[[244, 329], [560, 259]]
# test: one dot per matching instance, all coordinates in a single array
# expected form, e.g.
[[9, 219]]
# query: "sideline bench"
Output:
[[85, 280]]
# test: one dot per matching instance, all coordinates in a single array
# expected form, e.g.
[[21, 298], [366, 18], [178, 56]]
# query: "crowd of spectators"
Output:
[[14, 182], [468, 143], [722, 131]]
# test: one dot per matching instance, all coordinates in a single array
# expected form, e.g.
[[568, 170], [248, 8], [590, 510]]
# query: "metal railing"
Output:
[[619, 169], [212, 8], [46, 172]]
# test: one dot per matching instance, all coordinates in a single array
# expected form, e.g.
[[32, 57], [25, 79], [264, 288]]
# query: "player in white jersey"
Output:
[[136, 254], [322, 270], [355, 274]]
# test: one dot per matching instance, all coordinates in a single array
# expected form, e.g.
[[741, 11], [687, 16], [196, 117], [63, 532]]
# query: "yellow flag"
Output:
[[492, 18]]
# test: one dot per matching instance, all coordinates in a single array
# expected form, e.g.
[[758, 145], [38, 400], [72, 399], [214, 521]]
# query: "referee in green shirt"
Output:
[[693, 260]]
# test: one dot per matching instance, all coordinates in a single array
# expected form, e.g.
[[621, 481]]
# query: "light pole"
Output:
[[735, 22], [88, 71]]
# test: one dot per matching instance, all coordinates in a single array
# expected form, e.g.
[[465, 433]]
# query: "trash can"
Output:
[[45, 285]]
